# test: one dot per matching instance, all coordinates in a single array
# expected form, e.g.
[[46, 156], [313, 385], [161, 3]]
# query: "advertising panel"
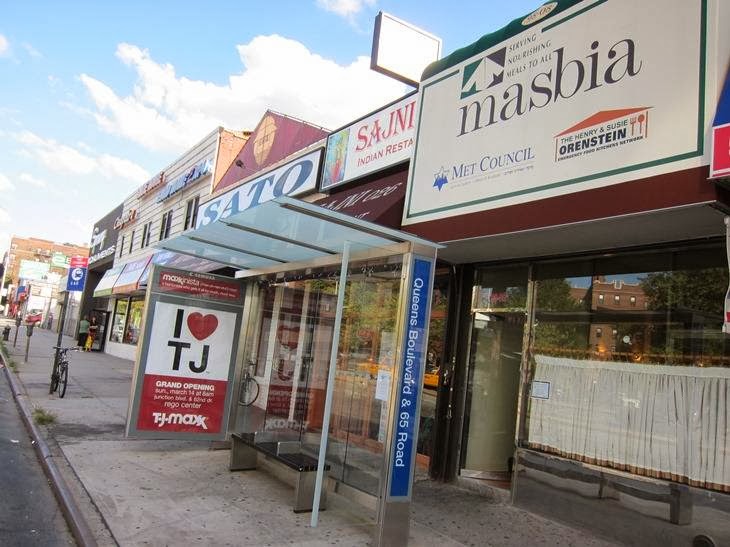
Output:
[[585, 96], [60, 260], [185, 367], [104, 239], [198, 170], [292, 179], [32, 270], [371, 144], [720, 166]]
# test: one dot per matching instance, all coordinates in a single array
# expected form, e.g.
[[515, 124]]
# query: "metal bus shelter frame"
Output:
[[286, 235]]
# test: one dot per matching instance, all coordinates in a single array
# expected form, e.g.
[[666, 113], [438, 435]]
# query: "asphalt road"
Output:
[[29, 514]]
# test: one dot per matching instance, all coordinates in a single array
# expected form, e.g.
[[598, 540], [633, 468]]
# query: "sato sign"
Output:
[[411, 380], [582, 96], [294, 178], [371, 144], [185, 368]]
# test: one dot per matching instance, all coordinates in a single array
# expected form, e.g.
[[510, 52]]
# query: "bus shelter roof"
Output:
[[283, 232]]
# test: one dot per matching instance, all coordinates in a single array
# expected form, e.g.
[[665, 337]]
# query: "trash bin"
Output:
[[6, 333]]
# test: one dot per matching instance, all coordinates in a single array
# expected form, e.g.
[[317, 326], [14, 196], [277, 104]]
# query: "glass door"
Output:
[[498, 322]]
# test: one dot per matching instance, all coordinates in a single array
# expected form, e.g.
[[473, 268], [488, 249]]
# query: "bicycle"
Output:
[[59, 374], [249, 390]]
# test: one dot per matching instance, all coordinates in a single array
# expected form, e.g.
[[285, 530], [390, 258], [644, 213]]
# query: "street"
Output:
[[29, 514]]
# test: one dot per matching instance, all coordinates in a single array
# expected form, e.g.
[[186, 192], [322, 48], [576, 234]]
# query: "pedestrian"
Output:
[[93, 330], [83, 331]]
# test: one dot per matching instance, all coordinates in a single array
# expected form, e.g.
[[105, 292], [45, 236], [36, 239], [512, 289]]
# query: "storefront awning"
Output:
[[380, 201], [106, 283], [284, 231], [128, 280]]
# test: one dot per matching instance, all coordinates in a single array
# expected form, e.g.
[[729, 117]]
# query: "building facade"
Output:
[[587, 365]]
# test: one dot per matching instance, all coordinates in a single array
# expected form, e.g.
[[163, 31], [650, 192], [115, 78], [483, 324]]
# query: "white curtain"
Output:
[[663, 421]]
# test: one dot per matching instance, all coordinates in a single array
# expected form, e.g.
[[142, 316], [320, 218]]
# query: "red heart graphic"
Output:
[[201, 326]]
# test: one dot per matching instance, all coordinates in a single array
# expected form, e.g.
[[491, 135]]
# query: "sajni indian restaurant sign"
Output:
[[185, 367], [371, 144], [577, 96]]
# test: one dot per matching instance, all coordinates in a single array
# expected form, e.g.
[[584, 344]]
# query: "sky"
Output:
[[96, 97]]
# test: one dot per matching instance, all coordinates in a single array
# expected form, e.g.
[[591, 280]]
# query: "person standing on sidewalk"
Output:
[[83, 331], [92, 332]]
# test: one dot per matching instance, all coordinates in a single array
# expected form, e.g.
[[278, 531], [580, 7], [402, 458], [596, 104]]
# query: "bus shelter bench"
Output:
[[244, 457]]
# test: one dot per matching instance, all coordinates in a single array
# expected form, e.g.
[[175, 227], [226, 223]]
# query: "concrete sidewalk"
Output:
[[137, 492]]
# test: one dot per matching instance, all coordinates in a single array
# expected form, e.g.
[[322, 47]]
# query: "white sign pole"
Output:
[[330, 384]]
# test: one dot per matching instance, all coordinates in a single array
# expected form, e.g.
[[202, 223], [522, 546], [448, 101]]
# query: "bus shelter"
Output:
[[332, 340]]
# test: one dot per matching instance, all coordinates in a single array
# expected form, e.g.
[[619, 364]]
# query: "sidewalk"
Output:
[[136, 492]]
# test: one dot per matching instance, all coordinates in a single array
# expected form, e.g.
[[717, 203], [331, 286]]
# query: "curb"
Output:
[[77, 523]]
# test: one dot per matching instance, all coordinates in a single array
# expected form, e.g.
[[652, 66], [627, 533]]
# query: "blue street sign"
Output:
[[410, 386], [76, 279]]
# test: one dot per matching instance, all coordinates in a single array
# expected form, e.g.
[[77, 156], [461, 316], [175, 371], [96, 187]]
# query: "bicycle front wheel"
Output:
[[63, 380], [249, 392]]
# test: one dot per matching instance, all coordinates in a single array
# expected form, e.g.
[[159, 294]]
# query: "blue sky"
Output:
[[95, 97]]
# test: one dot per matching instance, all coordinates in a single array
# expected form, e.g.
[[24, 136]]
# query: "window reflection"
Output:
[[622, 352]]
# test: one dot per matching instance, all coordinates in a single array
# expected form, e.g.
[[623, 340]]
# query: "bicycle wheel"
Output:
[[249, 391], [63, 379], [54, 379]]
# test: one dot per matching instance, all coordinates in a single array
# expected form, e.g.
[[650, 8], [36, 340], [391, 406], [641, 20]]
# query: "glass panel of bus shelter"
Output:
[[294, 332], [368, 346], [499, 303], [435, 357]]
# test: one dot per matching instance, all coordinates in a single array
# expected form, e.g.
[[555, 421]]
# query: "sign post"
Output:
[[405, 404], [76, 280]]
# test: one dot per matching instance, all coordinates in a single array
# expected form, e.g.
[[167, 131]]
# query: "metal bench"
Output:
[[245, 452]]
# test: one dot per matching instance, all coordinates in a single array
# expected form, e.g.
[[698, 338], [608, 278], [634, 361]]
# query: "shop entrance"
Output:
[[498, 323]]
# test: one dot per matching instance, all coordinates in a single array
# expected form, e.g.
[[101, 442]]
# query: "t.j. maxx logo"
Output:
[[201, 327]]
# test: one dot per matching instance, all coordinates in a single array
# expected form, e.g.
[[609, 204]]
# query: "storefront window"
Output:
[[127, 320], [120, 319], [639, 383], [134, 320]]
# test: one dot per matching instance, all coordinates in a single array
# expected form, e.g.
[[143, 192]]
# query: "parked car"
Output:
[[34, 316]]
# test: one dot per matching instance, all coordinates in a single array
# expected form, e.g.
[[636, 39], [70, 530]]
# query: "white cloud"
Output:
[[170, 113], [4, 216], [66, 159], [344, 8], [33, 181], [33, 52], [5, 184], [4, 46]]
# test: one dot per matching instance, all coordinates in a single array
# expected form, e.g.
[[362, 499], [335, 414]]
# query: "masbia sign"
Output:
[[292, 179], [586, 94]]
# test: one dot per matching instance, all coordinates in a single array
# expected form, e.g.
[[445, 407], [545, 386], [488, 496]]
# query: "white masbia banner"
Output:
[[583, 98]]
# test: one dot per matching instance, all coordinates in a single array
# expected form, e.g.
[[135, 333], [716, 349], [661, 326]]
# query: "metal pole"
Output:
[[28, 330], [330, 384], [60, 325]]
